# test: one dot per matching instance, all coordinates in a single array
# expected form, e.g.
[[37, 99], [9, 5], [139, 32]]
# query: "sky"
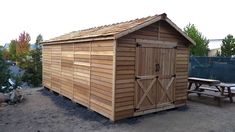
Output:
[[51, 18]]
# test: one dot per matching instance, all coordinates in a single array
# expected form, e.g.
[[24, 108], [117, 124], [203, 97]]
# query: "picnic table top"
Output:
[[226, 85], [203, 80]]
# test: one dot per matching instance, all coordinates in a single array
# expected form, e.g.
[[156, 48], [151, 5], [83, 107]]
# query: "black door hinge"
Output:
[[135, 109], [137, 78], [138, 45]]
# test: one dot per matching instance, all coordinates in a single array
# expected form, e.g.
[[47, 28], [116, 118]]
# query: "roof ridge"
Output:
[[112, 24], [103, 29]]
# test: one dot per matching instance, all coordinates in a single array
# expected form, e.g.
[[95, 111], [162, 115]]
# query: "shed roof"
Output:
[[114, 31]]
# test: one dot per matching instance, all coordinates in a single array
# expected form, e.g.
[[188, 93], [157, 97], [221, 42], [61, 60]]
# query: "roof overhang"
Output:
[[180, 31], [108, 37]]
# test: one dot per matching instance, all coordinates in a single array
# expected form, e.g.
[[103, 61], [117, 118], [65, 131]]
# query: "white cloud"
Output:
[[55, 17]]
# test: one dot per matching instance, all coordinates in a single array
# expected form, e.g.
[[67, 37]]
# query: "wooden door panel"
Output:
[[154, 86], [145, 67], [167, 70]]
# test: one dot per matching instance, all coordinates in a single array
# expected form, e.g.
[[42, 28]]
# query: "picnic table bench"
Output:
[[203, 86], [227, 88]]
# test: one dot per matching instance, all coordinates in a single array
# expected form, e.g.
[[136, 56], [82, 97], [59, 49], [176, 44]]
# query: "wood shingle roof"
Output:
[[113, 31]]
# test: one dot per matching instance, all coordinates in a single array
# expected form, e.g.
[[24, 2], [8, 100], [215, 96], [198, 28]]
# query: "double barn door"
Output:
[[155, 75]]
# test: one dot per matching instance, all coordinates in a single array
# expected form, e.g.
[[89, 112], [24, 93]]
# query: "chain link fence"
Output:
[[220, 68]]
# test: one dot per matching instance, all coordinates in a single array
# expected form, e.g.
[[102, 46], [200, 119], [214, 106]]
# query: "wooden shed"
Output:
[[121, 70]]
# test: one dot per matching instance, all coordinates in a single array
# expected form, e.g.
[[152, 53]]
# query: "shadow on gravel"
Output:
[[210, 101], [77, 110], [183, 108]]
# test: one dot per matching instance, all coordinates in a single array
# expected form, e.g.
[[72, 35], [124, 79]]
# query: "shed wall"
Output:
[[67, 59], [125, 65], [46, 55], [56, 68], [82, 72], [182, 57], [101, 77], [125, 78], [181, 67]]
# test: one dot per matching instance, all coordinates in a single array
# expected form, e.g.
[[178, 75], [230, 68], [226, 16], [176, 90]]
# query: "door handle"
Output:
[[157, 67]]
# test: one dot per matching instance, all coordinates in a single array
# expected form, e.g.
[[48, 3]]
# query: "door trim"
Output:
[[165, 107], [155, 43]]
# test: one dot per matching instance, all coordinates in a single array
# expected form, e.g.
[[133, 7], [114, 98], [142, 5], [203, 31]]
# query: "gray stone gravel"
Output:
[[47, 112]]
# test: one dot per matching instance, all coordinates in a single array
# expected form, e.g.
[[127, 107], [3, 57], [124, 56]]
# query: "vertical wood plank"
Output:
[[175, 74], [158, 35], [60, 65], [73, 69], [89, 98], [136, 73], [114, 79], [43, 65]]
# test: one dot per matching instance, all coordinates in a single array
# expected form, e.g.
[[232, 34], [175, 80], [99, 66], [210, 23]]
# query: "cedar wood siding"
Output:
[[46, 65], [82, 72], [125, 65]]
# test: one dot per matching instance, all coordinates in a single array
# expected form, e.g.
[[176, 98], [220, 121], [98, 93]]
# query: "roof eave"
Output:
[[180, 31], [87, 39]]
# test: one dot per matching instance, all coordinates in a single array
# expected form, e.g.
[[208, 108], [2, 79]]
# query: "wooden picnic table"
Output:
[[201, 81], [224, 89]]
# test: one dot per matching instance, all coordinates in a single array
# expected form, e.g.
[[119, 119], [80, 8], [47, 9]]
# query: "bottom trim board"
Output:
[[156, 109]]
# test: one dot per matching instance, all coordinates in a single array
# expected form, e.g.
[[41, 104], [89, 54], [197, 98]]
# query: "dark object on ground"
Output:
[[12, 98], [15, 96], [3, 98]]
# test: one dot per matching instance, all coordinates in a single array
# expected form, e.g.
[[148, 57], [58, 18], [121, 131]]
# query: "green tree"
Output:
[[201, 47], [4, 71], [6, 54], [39, 39], [33, 71], [228, 46], [12, 50]]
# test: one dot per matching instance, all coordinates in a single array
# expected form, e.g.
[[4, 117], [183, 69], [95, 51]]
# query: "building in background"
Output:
[[214, 52], [214, 46], [6, 46]]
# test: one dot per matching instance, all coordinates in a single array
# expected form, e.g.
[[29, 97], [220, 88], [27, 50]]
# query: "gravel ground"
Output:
[[45, 111]]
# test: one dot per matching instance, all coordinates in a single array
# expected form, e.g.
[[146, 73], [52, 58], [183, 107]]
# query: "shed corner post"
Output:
[[114, 79], [42, 58]]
